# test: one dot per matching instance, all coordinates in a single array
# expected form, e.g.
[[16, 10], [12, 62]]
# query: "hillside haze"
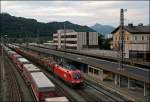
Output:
[[103, 29], [23, 27]]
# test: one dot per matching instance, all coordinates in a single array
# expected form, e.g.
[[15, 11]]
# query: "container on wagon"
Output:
[[11, 52], [27, 69], [57, 99], [42, 86], [21, 61], [15, 56]]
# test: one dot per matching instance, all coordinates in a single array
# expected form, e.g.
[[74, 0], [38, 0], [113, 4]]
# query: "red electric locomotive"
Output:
[[69, 74]]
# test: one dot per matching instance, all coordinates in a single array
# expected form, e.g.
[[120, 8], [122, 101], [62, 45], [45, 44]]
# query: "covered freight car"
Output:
[[20, 62], [15, 56], [11, 53], [42, 86], [57, 99], [28, 69]]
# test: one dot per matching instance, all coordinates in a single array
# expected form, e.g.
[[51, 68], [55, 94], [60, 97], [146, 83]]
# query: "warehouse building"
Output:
[[70, 39]]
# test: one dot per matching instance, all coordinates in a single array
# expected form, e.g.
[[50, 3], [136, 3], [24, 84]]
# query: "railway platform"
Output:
[[135, 95]]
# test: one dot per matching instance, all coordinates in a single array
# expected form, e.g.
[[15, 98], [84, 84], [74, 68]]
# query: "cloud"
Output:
[[81, 12]]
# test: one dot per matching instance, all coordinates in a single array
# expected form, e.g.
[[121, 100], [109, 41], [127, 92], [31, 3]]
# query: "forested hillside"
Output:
[[25, 27]]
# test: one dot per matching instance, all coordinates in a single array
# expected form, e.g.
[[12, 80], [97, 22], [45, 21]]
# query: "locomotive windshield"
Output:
[[67, 66]]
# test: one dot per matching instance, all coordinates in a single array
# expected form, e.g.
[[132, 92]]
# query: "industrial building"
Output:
[[71, 39], [136, 41]]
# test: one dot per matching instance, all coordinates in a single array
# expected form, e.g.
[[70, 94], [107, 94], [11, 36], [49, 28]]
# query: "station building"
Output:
[[71, 39], [136, 41]]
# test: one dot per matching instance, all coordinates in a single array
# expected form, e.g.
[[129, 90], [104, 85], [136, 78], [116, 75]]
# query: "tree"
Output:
[[104, 43], [101, 41], [107, 43]]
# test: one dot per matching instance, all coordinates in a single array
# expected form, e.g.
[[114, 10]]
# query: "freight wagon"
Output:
[[15, 56], [57, 99], [28, 69], [42, 86], [20, 62]]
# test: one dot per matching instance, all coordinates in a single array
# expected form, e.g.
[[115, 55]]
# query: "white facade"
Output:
[[75, 40]]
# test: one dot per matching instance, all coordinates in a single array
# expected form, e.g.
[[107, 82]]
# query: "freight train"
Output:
[[43, 89], [65, 71]]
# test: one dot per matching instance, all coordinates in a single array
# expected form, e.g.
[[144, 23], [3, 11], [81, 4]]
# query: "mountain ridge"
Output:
[[22, 27], [103, 29]]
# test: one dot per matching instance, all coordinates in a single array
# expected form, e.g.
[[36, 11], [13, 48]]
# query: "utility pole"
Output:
[[121, 43], [121, 47]]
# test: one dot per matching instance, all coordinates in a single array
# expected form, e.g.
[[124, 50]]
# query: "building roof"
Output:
[[135, 29]]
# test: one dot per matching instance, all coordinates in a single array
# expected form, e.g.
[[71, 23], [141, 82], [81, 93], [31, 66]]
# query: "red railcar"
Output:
[[42, 86], [28, 69], [20, 62], [11, 53], [57, 99], [15, 56]]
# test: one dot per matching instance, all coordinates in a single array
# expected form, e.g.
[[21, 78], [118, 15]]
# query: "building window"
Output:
[[95, 71], [116, 37], [142, 37], [71, 47], [55, 41], [55, 36], [148, 37], [120, 38], [135, 37], [90, 70], [69, 36], [127, 38], [70, 42]]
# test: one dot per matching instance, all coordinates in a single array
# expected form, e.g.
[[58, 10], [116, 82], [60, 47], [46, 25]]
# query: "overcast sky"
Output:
[[80, 12]]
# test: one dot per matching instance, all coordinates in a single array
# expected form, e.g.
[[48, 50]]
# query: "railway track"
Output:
[[112, 97], [88, 96], [13, 90]]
